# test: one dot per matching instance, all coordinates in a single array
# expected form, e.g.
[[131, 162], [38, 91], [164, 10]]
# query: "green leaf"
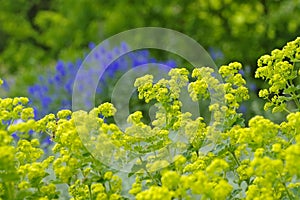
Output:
[[136, 167]]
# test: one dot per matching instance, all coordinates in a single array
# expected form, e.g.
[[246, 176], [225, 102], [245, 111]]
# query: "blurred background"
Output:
[[43, 42]]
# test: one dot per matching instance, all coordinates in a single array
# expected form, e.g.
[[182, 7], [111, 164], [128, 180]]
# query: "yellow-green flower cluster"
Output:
[[65, 167], [269, 181], [8, 168], [225, 97], [281, 70], [236, 92], [155, 193], [207, 183], [166, 93], [31, 178], [179, 79], [28, 152], [204, 81], [136, 186], [292, 157], [266, 156], [145, 85], [107, 109], [49, 191], [15, 108], [195, 131], [79, 191]]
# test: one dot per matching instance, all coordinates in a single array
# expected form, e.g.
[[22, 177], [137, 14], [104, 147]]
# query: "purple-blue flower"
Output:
[[215, 53], [53, 91]]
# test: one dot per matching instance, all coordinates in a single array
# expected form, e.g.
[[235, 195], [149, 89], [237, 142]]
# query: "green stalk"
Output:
[[235, 158]]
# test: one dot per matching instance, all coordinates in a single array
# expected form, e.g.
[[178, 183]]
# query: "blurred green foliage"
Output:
[[34, 33]]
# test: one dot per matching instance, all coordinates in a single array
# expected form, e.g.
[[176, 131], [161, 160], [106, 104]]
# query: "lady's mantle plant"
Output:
[[257, 161]]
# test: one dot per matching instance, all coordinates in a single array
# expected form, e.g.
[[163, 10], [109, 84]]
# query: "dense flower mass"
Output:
[[177, 156]]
